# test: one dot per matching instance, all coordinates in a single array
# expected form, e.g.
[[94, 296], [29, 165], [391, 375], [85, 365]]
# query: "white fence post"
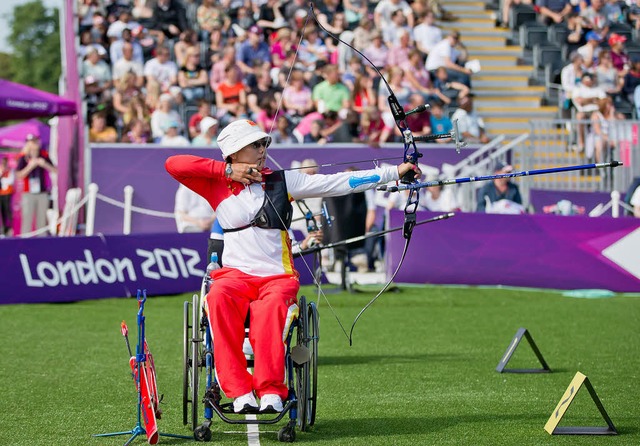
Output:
[[128, 202], [615, 204], [91, 208]]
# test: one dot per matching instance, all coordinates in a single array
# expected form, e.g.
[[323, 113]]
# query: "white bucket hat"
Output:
[[238, 135], [206, 123]]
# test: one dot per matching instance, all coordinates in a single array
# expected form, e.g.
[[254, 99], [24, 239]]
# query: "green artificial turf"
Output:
[[421, 370]]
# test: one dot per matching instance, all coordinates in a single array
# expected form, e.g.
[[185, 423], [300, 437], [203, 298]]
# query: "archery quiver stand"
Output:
[[143, 372]]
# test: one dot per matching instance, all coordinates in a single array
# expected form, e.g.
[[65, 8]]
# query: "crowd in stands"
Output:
[[154, 69]]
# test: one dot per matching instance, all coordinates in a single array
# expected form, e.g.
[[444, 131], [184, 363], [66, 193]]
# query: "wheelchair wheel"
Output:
[[307, 372], [191, 362], [313, 331]]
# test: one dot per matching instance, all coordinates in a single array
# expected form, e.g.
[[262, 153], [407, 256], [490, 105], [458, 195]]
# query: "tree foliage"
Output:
[[35, 39]]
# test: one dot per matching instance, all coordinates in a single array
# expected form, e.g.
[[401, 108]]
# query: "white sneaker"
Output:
[[271, 403], [245, 403]]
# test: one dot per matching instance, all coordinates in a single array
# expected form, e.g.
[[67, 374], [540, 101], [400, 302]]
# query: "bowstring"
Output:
[[316, 281]]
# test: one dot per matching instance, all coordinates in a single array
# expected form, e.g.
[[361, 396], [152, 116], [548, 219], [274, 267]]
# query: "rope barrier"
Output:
[[135, 208]]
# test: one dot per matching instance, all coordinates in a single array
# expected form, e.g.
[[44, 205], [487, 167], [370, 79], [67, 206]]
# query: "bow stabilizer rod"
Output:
[[523, 173]]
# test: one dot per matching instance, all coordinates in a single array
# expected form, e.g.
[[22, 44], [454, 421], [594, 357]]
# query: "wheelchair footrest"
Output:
[[222, 410]]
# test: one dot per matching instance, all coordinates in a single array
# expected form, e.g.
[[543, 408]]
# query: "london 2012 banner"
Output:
[[66, 269]]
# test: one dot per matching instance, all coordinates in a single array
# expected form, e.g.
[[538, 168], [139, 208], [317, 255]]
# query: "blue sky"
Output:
[[6, 11]]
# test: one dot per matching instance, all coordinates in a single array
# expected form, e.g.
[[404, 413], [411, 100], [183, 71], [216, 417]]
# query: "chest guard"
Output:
[[276, 211]]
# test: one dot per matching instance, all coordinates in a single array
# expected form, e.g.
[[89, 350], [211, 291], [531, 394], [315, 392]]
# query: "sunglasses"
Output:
[[264, 142]]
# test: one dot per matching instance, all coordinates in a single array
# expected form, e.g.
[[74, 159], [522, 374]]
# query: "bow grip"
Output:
[[409, 223]]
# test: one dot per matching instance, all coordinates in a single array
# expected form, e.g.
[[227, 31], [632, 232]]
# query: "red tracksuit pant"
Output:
[[272, 301]]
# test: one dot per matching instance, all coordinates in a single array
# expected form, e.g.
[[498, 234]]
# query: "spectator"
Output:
[[96, 75], [419, 123], [142, 12], [315, 133], [208, 132], [270, 15], [128, 65], [444, 55], [354, 11], [448, 90], [331, 17], [86, 42], [126, 90], [585, 98], [371, 126], [600, 144], [124, 22], [377, 52], [426, 34], [253, 52], [331, 94], [438, 198], [218, 68], [362, 95], [297, 101], [607, 77], [631, 81], [266, 116], [99, 131], [7, 181], [192, 77], [402, 93], [262, 90], [364, 32], [34, 168], [193, 213], [393, 33], [161, 74], [137, 109], [281, 44], [217, 43], [172, 137], [204, 110], [419, 78], [188, 41], [470, 125], [162, 115], [312, 50], [136, 132], [86, 11], [619, 56], [384, 10], [169, 19], [231, 97], [440, 123], [353, 69], [500, 195], [282, 133], [594, 18], [553, 11], [634, 14], [570, 76], [591, 50], [399, 53], [211, 17]]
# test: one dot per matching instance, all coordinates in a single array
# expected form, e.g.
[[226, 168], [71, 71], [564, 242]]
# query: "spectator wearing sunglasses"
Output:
[[252, 205]]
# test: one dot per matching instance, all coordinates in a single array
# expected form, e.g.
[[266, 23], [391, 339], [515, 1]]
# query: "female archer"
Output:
[[252, 204]]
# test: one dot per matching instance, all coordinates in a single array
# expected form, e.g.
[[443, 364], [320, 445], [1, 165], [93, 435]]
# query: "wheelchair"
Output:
[[200, 384]]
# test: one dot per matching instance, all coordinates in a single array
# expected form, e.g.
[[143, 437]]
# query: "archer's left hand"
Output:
[[406, 167]]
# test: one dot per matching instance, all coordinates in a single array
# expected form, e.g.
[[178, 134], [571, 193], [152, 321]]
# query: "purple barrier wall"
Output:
[[77, 268], [542, 251], [143, 168]]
